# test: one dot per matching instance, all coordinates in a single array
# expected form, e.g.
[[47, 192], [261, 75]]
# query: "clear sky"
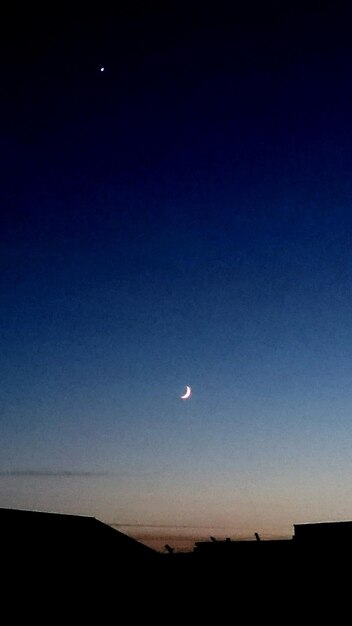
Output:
[[182, 218]]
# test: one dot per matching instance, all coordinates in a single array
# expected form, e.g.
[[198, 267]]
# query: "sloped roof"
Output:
[[75, 533]]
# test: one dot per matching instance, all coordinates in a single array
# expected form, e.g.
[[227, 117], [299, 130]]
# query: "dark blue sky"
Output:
[[183, 217]]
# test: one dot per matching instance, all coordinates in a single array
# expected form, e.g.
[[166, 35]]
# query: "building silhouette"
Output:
[[52, 550], [62, 535], [323, 533], [70, 560]]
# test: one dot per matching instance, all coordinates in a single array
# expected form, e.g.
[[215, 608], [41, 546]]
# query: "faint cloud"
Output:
[[57, 473]]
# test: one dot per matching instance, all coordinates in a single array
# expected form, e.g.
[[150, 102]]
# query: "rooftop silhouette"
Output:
[[52, 552]]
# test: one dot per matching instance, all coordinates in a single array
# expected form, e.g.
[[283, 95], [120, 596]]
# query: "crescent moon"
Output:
[[187, 393]]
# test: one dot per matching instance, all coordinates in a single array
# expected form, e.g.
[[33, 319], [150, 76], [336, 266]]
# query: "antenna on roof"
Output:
[[169, 549], [257, 537]]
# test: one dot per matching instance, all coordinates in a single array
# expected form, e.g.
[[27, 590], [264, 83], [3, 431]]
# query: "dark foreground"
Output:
[[58, 569], [276, 584]]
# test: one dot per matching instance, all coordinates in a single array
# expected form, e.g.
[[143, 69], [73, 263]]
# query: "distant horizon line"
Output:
[[187, 526]]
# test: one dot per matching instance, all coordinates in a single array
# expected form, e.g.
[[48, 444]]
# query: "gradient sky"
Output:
[[182, 218]]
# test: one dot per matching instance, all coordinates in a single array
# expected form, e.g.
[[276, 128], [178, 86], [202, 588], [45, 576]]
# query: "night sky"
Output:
[[182, 218]]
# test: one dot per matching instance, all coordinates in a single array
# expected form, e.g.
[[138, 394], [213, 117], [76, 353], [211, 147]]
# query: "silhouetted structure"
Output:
[[54, 551], [50, 545], [65, 563], [56, 531], [323, 533], [226, 548]]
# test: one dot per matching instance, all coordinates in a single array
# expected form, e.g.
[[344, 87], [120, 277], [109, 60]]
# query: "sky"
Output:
[[181, 218]]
